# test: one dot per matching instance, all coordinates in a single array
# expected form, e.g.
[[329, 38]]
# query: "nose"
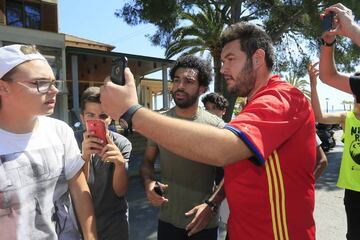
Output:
[[181, 85], [222, 69], [53, 89]]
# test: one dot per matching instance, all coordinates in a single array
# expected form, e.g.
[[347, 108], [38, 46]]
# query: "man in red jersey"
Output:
[[268, 150]]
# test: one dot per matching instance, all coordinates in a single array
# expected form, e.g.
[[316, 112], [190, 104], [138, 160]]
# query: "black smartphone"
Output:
[[327, 22], [158, 189], [117, 70]]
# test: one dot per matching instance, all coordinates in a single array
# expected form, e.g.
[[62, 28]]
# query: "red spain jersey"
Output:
[[271, 195]]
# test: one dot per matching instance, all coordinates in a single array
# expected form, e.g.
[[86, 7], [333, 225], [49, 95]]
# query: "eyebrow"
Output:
[[228, 55], [89, 113], [43, 79]]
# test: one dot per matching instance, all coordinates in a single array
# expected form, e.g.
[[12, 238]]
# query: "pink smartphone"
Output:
[[97, 126]]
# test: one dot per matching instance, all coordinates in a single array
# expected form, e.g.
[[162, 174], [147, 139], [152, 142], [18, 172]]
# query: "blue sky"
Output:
[[95, 20]]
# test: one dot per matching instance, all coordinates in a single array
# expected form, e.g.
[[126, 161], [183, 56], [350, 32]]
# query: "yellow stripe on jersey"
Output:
[[276, 192], [283, 195], [267, 168]]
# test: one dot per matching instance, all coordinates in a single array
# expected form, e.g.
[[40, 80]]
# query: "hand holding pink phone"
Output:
[[97, 127]]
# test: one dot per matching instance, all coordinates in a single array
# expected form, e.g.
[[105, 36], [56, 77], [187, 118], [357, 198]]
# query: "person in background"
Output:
[[215, 103], [349, 178], [39, 158], [185, 183], [321, 159], [105, 170]]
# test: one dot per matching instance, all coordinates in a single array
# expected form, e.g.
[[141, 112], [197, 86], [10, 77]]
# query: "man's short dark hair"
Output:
[[190, 61], [251, 38], [219, 100], [91, 94]]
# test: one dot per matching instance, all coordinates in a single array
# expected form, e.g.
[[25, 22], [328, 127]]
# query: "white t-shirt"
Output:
[[34, 170]]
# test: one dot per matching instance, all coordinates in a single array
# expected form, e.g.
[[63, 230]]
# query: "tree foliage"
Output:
[[185, 26], [294, 25], [299, 83]]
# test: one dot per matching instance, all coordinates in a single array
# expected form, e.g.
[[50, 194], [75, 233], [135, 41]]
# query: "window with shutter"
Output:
[[49, 17]]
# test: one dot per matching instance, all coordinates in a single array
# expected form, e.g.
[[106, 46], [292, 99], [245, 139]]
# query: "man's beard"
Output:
[[245, 81], [189, 101]]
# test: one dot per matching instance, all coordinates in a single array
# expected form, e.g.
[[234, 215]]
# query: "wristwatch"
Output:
[[212, 205], [125, 120], [323, 43]]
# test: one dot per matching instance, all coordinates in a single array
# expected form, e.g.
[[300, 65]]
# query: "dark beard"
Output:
[[185, 103], [245, 81]]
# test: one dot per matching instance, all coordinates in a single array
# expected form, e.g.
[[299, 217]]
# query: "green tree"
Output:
[[299, 83], [294, 27], [200, 35]]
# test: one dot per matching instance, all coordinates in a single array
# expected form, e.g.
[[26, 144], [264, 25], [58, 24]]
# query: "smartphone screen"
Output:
[[97, 126], [117, 70]]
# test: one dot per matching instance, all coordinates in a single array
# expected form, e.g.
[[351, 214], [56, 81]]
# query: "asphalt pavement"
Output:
[[329, 212]]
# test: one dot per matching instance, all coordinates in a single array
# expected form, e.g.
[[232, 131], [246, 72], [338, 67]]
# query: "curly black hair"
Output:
[[219, 100], [251, 37], [190, 61]]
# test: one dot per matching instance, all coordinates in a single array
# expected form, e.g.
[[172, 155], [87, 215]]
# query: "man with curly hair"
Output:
[[215, 103], [185, 183]]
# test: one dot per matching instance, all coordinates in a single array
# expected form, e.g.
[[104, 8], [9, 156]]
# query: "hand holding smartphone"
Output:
[[159, 191], [117, 70], [327, 22], [97, 126]]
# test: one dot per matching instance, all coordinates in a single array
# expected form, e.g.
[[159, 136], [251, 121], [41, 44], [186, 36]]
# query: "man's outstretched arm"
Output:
[[198, 142]]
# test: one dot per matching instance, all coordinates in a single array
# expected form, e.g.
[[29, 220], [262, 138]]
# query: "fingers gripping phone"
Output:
[[97, 126], [117, 70], [327, 22], [159, 191]]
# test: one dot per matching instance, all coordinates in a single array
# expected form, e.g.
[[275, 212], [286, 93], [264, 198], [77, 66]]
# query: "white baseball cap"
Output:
[[12, 55]]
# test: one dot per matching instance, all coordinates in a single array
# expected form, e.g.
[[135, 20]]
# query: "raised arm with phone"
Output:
[[343, 25]]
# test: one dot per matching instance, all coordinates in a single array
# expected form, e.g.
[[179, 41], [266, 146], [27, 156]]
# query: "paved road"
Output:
[[329, 210]]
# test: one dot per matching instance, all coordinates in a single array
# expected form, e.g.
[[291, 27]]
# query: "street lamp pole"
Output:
[[327, 104]]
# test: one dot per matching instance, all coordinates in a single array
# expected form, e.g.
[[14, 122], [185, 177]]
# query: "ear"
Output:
[[82, 119], [202, 90], [3, 87], [258, 58]]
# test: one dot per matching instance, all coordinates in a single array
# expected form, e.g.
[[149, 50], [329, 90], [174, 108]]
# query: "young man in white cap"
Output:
[[39, 158]]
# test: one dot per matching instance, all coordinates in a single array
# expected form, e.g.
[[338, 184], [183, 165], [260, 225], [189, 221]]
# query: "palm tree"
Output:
[[203, 33], [300, 84], [344, 102], [351, 103]]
